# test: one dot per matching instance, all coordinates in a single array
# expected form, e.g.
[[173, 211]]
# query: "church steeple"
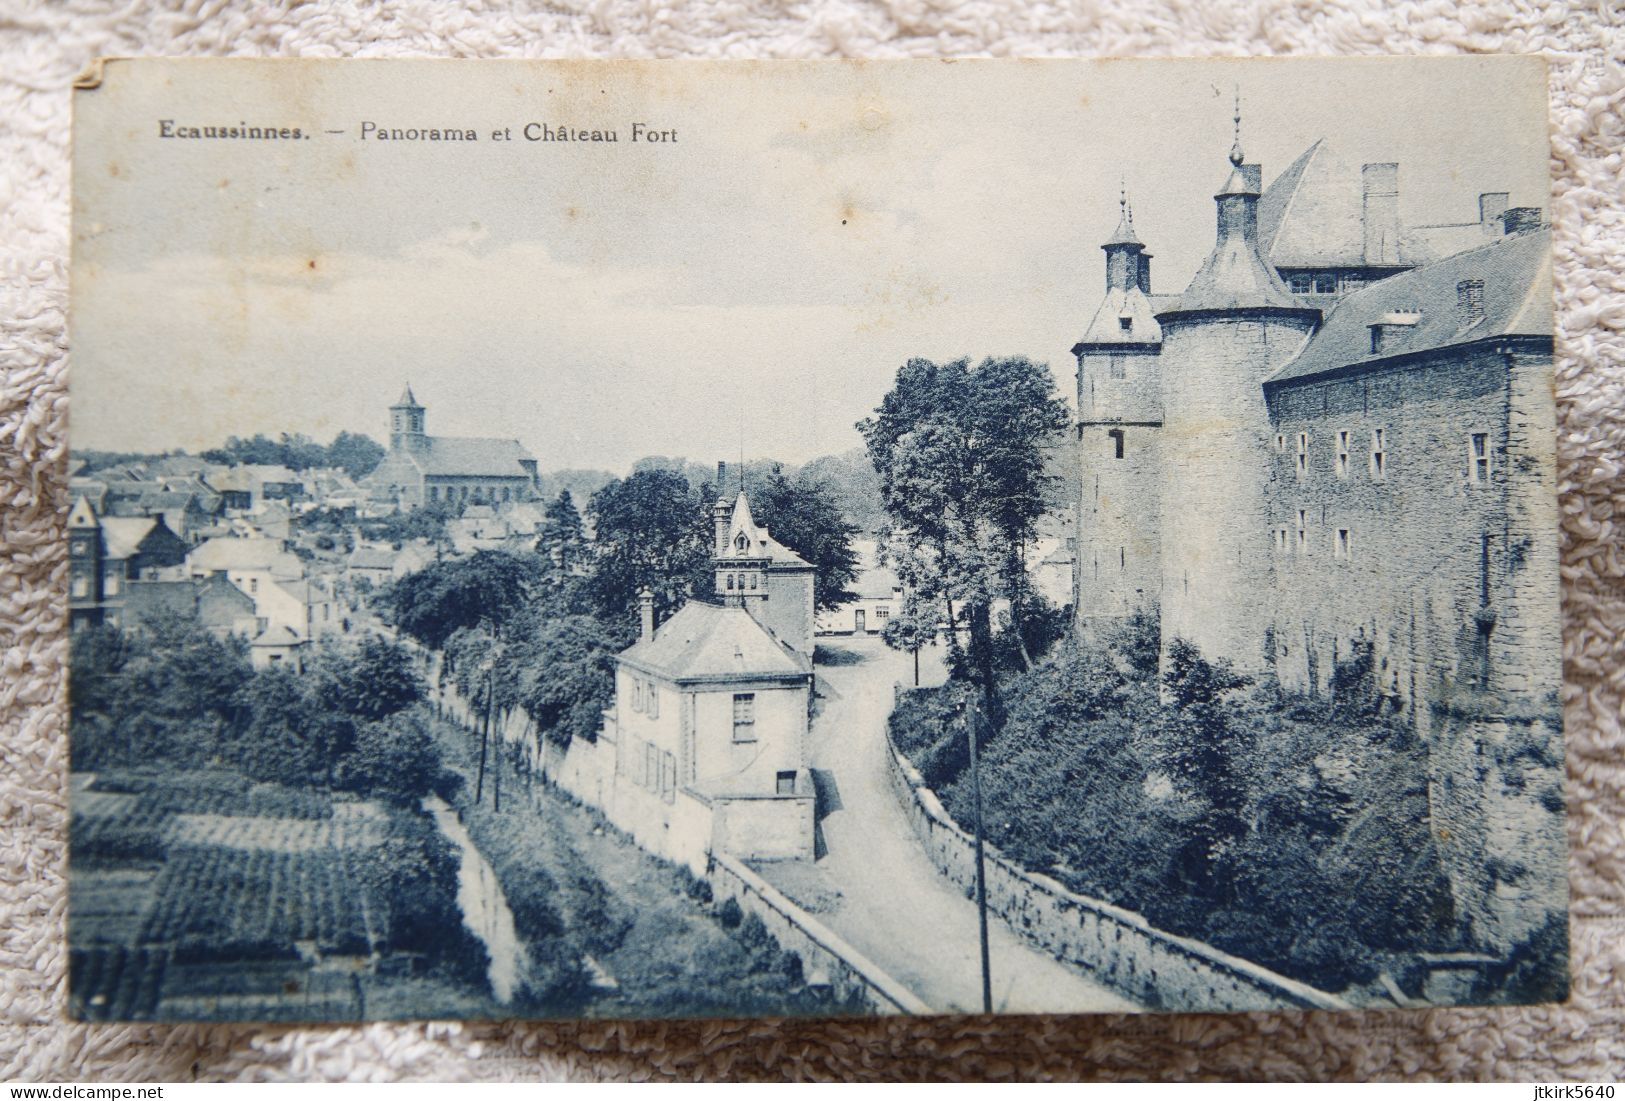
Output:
[[406, 422]]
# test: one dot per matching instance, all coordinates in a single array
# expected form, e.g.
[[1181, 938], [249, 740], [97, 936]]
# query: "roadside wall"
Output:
[[824, 956], [1115, 946]]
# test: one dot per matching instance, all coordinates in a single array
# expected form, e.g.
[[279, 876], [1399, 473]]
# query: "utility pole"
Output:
[[981, 872]]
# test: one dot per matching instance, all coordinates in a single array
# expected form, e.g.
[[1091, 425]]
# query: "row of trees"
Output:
[[357, 454], [178, 696]]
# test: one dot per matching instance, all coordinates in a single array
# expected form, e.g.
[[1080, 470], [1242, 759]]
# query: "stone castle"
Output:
[[1330, 461]]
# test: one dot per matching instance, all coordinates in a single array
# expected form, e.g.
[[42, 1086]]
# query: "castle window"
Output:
[[785, 783], [744, 717], [1303, 454], [1325, 284], [1299, 283], [1125, 323], [1117, 441], [1280, 540], [1342, 453], [1379, 453], [1280, 441], [1478, 458], [1340, 548], [1115, 364], [1303, 531]]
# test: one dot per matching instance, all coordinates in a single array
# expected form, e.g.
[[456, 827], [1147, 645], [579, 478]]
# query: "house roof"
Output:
[[245, 554], [122, 536], [279, 635], [705, 642], [471, 457], [1517, 301], [372, 558]]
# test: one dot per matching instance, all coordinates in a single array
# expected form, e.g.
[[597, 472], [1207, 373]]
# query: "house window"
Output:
[[785, 783], [1325, 284], [110, 583], [1352, 283], [753, 579], [1342, 453], [1340, 548], [651, 766], [1303, 454], [730, 582], [253, 584], [1117, 441], [742, 543], [1478, 456], [653, 701], [637, 694], [1299, 283], [434, 493], [744, 716], [1379, 453], [81, 586], [1303, 531], [882, 614], [668, 777]]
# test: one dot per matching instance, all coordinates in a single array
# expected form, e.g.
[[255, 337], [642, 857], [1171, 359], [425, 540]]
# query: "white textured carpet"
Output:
[[43, 46]]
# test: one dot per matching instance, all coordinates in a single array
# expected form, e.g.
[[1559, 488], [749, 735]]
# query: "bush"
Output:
[[729, 913]]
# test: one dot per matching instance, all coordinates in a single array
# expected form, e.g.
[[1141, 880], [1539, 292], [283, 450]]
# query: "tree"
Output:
[[356, 454], [396, 760], [369, 680], [960, 455], [488, 587], [290, 738], [911, 630], [563, 538], [652, 530], [802, 514], [570, 678]]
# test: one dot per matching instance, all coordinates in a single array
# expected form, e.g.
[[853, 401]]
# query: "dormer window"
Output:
[[1391, 331]]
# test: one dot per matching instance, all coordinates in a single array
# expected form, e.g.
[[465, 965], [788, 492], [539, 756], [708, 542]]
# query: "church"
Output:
[[452, 471], [1330, 461]]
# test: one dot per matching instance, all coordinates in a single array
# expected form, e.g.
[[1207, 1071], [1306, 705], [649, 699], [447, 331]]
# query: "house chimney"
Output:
[[1520, 219], [1379, 212], [722, 477], [1490, 206], [646, 613]]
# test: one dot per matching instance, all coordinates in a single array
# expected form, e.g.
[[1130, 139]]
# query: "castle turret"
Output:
[[1234, 325], [406, 423], [1119, 423], [769, 580]]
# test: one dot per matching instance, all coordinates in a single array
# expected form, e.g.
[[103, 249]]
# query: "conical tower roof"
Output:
[[407, 401], [1123, 235]]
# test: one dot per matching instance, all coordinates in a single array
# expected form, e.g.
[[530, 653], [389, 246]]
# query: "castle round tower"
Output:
[[1234, 325], [1118, 571]]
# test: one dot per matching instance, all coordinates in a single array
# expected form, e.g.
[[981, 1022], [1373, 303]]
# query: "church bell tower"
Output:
[[406, 423]]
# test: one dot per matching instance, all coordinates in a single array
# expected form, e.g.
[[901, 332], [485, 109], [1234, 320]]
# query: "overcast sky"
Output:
[[753, 285]]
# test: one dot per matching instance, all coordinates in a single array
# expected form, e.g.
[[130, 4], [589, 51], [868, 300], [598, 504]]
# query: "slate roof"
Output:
[[372, 558], [759, 544], [1107, 328], [1313, 216], [122, 535], [280, 635], [471, 456], [1517, 275], [245, 554], [705, 642]]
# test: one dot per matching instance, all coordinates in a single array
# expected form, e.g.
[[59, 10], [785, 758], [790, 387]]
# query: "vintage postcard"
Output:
[[587, 539]]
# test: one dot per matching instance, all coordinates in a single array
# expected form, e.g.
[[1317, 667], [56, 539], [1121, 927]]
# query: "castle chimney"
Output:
[[1469, 301], [1379, 212], [1490, 206], [1145, 273], [646, 613], [1520, 219], [722, 477]]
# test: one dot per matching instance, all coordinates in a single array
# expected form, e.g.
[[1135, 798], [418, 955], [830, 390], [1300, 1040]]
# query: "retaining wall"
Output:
[[1115, 946], [824, 956]]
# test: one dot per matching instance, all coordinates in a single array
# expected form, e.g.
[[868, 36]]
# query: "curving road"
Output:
[[873, 883]]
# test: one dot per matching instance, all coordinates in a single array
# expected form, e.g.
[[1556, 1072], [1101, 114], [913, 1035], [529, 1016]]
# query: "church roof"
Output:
[[1517, 301], [407, 401], [705, 642], [471, 457], [758, 543]]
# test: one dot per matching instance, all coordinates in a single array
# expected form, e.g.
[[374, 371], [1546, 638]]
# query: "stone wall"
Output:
[[825, 957], [1114, 946]]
